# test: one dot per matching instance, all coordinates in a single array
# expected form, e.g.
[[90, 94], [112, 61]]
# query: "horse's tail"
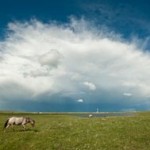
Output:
[[5, 125]]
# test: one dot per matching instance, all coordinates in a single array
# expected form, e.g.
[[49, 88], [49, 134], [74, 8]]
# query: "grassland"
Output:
[[70, 132]]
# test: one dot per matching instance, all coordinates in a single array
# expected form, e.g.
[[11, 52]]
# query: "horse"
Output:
[[90, 115], [18, 121]]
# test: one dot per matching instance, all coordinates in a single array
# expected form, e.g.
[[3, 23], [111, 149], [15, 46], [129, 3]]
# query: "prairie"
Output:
[[60, 131]]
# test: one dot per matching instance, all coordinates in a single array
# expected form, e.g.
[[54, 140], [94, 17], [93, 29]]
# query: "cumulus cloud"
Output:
[[51, 58], [80, 100], [45, 59], [90, 85]]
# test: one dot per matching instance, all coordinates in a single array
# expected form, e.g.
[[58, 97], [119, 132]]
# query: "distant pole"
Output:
[[97, 110]]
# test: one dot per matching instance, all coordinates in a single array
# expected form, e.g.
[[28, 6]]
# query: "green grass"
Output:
[[69, 132]]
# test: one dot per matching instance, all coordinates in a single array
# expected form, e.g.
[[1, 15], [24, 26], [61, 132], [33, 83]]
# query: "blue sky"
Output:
[[74, 55], [127, 17]]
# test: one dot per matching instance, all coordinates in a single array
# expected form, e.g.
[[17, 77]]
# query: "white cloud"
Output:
[[80, 100], [90, 85], [127, 94], [51, 58]]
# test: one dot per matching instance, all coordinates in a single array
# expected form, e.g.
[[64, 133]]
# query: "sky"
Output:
[[74, 55]]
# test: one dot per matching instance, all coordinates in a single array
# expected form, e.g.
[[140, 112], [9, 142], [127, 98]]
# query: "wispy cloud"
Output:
[[127, 94], [127, 17]]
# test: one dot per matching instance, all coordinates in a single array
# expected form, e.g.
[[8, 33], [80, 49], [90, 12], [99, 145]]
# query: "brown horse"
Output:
[[19, 121]]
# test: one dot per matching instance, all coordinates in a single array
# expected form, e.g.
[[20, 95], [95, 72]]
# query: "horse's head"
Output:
[[31, 121]]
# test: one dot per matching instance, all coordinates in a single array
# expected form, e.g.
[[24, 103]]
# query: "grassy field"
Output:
[[70, 132]]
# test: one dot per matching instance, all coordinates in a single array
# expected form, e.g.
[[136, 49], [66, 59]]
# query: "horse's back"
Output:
[[16, 120]]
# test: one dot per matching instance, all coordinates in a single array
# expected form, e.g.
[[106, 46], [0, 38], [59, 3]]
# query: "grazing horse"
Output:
[[90, 115], [19, 121]]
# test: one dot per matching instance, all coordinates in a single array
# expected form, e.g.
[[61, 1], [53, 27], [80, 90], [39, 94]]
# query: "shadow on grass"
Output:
[[28, 130], [22, 130]]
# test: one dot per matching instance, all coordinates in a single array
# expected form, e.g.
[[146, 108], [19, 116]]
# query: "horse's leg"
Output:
[[12, 126], [24, 127], [6, 127]]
